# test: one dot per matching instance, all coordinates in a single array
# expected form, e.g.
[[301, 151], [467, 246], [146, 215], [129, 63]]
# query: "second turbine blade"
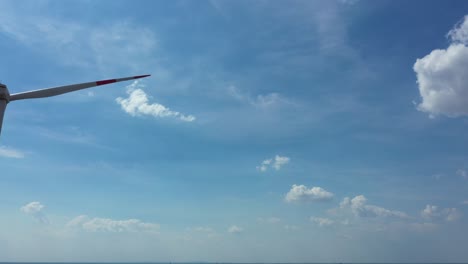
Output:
[[3, 104]]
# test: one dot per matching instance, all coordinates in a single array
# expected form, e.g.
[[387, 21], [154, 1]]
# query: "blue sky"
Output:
[[269, 131]]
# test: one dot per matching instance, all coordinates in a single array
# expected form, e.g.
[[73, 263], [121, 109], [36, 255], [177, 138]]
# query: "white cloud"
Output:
[[280, 161], [77, 221], [137, 104], [441, 76], [452, 214], [235, 229], [462, 173], [430, 211], [302, 193], [264, 166], [459, 34], [109, 225], [322, 221], [32, 208], [262, 101], [277, 162], [35, 209], [465, 202], [359, 207], [448, 214], [267, 100], [11, 153]]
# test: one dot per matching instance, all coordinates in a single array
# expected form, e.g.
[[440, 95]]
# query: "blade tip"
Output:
[[141, 76]]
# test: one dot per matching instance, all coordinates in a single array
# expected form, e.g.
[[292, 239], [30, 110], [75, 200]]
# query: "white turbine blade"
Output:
[[3, 104], [67, 88]]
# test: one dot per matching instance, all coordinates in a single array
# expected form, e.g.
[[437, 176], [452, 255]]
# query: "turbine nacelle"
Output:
[[4, 93]]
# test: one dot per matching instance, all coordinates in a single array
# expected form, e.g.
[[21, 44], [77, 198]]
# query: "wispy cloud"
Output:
[[262, 101], [451, 214], [462, 173], [110, 225], [137, 104], [35, 209], [430, 211], [8, 152], [234, 229], [203, 229], [302, 193], [104, 46], [359, 207], [277, 162], [291, 227], [322, 221]]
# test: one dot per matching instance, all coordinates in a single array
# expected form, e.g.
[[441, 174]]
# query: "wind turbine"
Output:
[[6, 98]]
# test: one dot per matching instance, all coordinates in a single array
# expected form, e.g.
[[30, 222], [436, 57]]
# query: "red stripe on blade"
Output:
[[106, 82]]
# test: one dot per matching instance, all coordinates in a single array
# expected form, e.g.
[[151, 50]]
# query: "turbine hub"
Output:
[[4, 93]]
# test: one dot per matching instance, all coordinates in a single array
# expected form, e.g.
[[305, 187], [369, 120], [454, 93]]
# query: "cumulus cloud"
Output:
[[322, 221], [35, 209], [302, 193], [235, 229], [431, 212], [277, 162], [137, 104], [109, 225], [10, 153], [443, 83], [359, 207]]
